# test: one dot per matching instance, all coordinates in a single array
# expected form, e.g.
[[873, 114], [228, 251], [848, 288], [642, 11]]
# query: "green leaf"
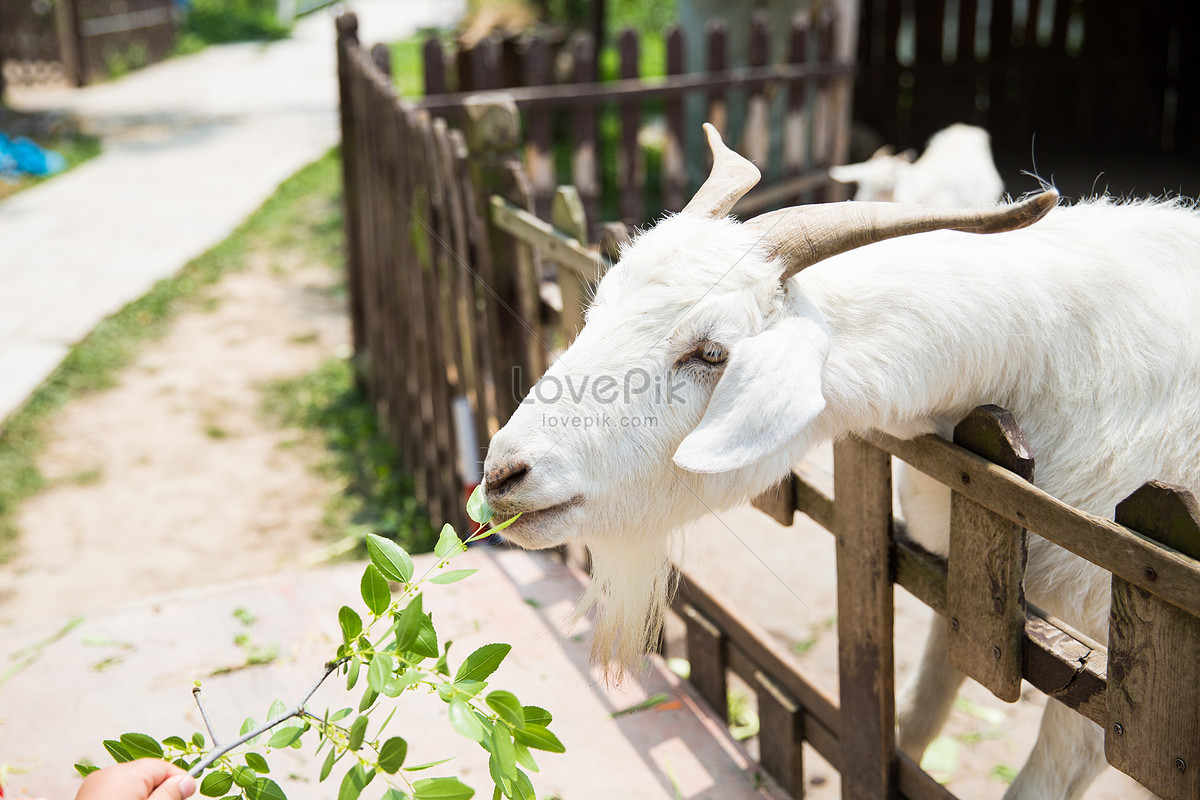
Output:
[[409, 623], [380, 671], [277, 710], [442, 789], [266, 789], [463, 720], [538, 738], [425, 643], [257, 763], [117, 751], [369, 696], [482, 663], [391, 755], [330, 760], [248, 725], [352, 673], [508, 707], [502, 749], [524, 757], [340, 714], [215, 784], [375, 591], [358, 732], [394, 794], [524, 788], [139, 745], [390, 558], [468, 689], [477, 507], [536, 715], [86, 769], [243, 777], [452, 575], [427, 765], [285, 736], [504, 784], [198, 739], [176, 742], [355, 781], [448, 543], [397, 685], [351, 623]]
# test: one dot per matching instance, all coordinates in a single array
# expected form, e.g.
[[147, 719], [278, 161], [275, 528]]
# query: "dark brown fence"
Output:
[[81, 41], [1076, 74], [624, 140], [443, 247]]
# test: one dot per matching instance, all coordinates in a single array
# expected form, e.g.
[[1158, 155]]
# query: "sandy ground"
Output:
[[174, 478]]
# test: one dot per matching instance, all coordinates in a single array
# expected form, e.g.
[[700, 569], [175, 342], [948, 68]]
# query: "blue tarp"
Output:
[[21, 156]]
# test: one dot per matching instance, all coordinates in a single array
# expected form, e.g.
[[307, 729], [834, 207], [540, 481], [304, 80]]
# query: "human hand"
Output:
[[144, 779]]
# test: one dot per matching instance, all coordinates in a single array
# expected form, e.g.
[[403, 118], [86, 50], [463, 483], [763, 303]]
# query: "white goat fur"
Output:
[[955, 171], [1083, 325]]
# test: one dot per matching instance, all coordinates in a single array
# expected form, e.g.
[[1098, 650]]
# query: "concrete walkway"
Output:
[[191, 147], [132, 671]]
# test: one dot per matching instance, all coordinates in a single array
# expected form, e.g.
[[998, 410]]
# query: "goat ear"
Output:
[[770, 392]]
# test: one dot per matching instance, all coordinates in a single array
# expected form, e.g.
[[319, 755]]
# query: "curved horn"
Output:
[[731, 177], [803, 235]]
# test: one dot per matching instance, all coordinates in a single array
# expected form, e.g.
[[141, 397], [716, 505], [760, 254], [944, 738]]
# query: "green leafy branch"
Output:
[[393, 644]]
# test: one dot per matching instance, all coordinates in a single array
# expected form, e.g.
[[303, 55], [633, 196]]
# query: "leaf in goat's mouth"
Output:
[[477, 507]]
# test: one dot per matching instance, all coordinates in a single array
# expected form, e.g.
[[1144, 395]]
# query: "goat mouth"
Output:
[[539, 514]]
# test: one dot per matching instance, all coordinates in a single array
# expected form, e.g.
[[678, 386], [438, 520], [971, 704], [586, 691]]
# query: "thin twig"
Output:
[[200, 704], [299, 710]]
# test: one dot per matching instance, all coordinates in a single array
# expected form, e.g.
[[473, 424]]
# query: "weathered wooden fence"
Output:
[[81, 40], [443, 244], [1078, 74]]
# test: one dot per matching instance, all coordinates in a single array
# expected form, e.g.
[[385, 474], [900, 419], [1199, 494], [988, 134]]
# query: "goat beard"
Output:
[[633, 580]]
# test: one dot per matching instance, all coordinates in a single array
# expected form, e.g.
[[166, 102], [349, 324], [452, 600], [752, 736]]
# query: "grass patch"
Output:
[[221, 21], [377, 495], [305, 212]]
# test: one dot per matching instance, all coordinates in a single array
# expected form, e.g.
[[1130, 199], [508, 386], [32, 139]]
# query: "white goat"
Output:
[[955, 171], [1082, 325]]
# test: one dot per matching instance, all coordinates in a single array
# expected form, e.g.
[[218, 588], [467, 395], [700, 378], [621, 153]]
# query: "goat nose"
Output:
[[504, 478]]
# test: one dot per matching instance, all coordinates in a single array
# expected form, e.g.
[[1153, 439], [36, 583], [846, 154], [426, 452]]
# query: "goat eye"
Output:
[[713, 353]]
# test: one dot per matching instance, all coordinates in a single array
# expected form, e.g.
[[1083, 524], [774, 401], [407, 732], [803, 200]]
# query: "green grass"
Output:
[[220, 21], [76, 148], [378, 495], [304, 212]]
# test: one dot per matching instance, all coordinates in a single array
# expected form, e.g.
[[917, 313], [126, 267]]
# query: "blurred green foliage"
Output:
[[219, 21]]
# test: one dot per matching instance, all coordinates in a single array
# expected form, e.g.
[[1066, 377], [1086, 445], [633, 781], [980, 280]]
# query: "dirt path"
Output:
[[175, 478]]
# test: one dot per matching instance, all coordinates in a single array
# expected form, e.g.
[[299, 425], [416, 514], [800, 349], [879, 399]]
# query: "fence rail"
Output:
[[446, 252]]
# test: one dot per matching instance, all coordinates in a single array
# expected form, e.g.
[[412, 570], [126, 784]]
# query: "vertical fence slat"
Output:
[[755, 136], [985, 603], [630, 166], [584, 165], [347, 28], [797, 137], [715, 51], [862, 477], [539, 153], [780, 734], [674, 175], [569, 217], [1153, 692], [434, 59], [706, 651]]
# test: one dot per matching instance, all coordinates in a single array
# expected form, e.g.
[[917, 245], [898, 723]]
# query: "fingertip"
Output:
[[187, 786]]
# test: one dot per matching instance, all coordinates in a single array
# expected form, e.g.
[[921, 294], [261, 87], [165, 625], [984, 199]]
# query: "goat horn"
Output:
[[803, 235], [731, 177]]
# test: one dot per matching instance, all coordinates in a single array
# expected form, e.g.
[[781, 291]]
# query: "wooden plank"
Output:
[[585, 169], [1153, 733], [863, 514], [631, 167], [433, 56], [539, 151], [797, 133], [551, 242], [533, 359], [756, 138], [706, 655], [813, 502], [674, 178], [715, 51], [779, 502], [567, 215], [347, 27], [1113, 547], [985, 601], [780, 734]]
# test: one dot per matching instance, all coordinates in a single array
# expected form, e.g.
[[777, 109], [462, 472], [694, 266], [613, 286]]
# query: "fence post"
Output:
[[347, 38], [862, 481], [493, 138], [985, 602], [1153, 732], [568, 216]]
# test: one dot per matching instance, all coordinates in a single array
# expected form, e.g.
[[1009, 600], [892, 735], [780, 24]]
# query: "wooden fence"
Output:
[[627, 139], [81, 41], [1076, 74], [443, 246]]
